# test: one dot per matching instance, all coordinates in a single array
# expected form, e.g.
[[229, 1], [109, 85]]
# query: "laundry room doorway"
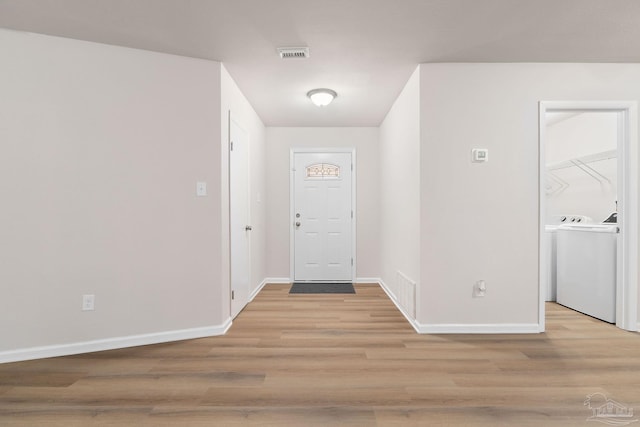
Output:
[[589, 209]]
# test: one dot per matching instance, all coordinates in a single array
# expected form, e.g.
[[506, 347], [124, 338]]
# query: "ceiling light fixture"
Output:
[[322, 97]]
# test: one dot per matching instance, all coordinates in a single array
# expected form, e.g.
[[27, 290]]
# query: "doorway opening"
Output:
[[589, 209], [322, 216]]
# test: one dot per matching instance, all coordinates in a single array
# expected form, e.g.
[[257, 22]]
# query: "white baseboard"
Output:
[[112, 343], [257, 290], [387, 290], [277, 281], [367, 280], [287, 280], [489, 328]]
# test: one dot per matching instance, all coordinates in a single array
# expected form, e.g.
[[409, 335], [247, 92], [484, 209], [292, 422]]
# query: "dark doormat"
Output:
[[322, 288]]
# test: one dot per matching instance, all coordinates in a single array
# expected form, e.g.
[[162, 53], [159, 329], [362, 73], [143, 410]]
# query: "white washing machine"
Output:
[[586, 269], [550, 231]]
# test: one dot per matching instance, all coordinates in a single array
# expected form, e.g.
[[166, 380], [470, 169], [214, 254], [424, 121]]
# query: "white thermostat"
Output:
[[479, 155]]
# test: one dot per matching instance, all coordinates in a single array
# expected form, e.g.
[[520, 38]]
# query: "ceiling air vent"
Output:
[[293, 52]]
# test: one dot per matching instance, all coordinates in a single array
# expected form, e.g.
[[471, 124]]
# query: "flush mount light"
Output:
[[322, 97]]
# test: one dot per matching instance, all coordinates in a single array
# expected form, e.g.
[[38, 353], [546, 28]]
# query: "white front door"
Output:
[[240, 229], [323, 217]]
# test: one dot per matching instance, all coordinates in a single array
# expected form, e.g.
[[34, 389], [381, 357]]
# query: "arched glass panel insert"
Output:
[[323, 171]]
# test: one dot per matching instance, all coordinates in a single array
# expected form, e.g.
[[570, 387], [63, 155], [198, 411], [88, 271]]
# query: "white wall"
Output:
[[101, 150], [400, 187], [233, 100], [480, 221], [581, 136], [279, 143]]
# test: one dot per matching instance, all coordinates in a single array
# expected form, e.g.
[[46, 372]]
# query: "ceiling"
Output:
[[363, 49]]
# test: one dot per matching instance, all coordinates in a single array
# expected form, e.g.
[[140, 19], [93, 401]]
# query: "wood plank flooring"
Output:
[[334, 360]]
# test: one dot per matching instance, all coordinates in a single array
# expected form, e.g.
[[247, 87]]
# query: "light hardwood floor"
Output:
[[344, 360]]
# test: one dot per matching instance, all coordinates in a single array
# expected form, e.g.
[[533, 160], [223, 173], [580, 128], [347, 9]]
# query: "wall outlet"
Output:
[[479, 289], [201, 188], [88, 302]]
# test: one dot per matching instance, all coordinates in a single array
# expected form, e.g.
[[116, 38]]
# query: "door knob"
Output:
[[248, 228], [297, 223]]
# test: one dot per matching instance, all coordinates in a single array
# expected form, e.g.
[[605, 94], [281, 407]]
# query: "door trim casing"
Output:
[[292, 153], [627, 264]]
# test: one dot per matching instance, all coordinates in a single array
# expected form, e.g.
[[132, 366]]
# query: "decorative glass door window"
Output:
[[323, 171]]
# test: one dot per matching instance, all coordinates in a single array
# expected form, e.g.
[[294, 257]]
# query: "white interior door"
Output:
[[240, 228], [323, 222]]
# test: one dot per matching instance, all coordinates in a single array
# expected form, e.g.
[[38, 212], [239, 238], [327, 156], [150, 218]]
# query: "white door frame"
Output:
[[292, 248], [627, 171]]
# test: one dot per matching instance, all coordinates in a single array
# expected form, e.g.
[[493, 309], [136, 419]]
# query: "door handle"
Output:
[[297, 223], [248, 228]]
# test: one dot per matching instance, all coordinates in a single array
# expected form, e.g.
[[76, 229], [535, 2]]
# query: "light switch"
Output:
[[201, 189], [479, 155]]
